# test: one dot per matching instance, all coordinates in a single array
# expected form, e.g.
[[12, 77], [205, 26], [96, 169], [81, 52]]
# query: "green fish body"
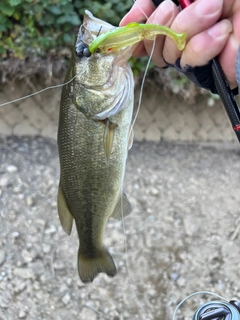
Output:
[[93, 140]]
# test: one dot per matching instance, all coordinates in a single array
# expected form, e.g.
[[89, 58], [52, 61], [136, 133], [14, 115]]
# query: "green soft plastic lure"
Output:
[[132, 33]]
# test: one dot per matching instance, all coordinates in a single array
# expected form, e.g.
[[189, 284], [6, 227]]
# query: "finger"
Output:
[[139, 12], [228, 56], [206, 45], [140, 51], [194, 19], [229, 7], [163, 15]]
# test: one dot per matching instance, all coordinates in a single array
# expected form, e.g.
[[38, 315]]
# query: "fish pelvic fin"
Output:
[[89, 266], [108, 137], [65, 216], [123, 207]]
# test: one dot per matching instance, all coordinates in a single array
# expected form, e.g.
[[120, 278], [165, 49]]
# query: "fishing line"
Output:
[[195, 294], [145, 73], [127, 265], [134, 1], [32, 94], [123, 223], [142, 84]]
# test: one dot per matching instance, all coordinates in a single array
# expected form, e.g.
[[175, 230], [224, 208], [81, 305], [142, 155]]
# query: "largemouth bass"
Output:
[[93, 140]]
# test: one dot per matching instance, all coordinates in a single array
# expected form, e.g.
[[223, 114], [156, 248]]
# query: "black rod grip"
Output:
[[227, 96]]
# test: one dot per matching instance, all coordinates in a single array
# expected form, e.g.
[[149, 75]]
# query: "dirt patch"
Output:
[[31, 69], [182, 236]]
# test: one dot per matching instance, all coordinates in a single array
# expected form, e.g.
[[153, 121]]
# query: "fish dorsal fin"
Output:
[[123, 207], [108, 137], [64, 214]]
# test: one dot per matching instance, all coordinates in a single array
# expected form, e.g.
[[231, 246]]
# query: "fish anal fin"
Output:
[[108, 137], [65, 216], [123, 207], [89, 266]]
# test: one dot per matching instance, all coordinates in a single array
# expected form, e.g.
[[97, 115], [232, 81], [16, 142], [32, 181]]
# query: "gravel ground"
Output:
[[182, 236]]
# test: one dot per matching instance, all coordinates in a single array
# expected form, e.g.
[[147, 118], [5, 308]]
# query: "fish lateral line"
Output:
[[133, 33]]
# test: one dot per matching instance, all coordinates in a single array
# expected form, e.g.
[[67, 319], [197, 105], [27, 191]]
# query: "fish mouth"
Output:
[[92, 27], [82, 50]]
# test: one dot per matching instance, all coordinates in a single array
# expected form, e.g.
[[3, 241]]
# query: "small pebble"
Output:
[[4, 303], [29, 201], [22, 314], [15, 234], [12, 169], [174, 276], [59, 265], [154, 191], [66, 298], [20, 286], [181, 281], [17, 189], [24, 273], [4, 182], [46, 248], [50, 230], [54, 204], [89, 314]]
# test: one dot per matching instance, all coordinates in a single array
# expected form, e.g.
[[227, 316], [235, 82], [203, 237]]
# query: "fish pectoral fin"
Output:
[[123, 207], [130, 138], [108, 137], [90, 266], [64, 214]]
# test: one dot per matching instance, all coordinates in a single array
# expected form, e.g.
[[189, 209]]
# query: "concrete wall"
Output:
[[160, 117]]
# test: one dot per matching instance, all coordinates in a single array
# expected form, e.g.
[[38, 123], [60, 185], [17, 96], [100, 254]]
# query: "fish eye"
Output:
[[82, 50]]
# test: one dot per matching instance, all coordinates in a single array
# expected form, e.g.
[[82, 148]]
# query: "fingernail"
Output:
[[220, 30], [166, 9], [208, 7]]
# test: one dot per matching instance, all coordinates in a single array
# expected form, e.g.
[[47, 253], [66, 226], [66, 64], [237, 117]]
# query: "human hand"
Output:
[[212, 26]]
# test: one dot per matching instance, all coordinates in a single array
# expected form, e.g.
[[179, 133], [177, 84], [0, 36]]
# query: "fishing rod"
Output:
[[221, 84]]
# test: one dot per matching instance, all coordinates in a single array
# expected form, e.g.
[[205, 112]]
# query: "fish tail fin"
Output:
[[90, 266]]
